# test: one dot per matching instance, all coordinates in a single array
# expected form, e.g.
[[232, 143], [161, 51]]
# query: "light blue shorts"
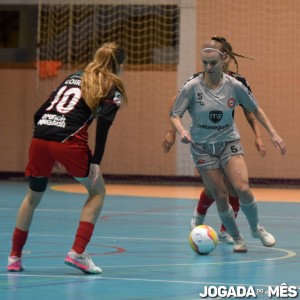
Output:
[[215, 156]]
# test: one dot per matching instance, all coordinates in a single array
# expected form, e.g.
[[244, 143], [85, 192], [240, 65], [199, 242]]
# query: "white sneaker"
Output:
[[225, 237], [266, 238], [239, 244], [197, 219], [82, 262]]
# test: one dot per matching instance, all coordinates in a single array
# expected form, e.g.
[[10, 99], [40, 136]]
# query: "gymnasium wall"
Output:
[[136, 136], [268, 31]]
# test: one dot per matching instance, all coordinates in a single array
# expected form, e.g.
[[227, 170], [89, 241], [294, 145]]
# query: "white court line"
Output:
[[126, 213], [100, 277], [289, 254]]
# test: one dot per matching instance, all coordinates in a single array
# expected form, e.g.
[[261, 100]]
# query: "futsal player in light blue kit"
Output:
[[206, 199], [210, 99]]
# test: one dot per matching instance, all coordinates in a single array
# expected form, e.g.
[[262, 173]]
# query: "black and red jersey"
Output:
[[65, 115], [240, 78]]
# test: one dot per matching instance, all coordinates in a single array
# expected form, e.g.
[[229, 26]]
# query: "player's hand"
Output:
[[94, 172], [260, 146], [278, 143], [185, 137], [169, 141]]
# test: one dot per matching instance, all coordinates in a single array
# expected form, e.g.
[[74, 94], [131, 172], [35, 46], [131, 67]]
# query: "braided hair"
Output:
[[227, 48]]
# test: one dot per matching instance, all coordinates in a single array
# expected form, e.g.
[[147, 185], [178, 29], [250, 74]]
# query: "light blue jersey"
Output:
[[212, 111]]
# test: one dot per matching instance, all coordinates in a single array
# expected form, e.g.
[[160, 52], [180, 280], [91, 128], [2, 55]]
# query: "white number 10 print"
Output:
[[65, 99]]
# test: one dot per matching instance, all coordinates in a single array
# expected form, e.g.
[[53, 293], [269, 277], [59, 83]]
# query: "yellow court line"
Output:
[[186, 192]]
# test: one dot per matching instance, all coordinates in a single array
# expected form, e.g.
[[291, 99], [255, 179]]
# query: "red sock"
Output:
[[235, 204], [204, 203], [83, 236], [18, 241]]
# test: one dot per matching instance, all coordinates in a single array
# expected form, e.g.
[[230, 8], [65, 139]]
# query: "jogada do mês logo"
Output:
[[280, 291]]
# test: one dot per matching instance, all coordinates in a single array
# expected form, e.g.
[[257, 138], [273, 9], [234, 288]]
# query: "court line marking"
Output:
[[181, 192], [105, 213], [100, 277], [289, 253]]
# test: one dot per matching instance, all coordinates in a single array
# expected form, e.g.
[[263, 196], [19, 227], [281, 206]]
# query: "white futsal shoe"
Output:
[[266, 238], [225, 237], [82, 262], [239, 244], [197, 219]]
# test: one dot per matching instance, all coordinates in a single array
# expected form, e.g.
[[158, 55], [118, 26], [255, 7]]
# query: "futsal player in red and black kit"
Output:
[[60, 135]]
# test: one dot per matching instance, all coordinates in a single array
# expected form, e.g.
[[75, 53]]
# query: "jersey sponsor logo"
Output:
[[231, 102], [117, 98], [216, 116], [52, 120], [213, 127]]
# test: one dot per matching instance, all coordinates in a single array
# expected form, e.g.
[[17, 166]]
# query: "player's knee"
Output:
[[98, 191], [245, 196], [38, 184], [242, 188]]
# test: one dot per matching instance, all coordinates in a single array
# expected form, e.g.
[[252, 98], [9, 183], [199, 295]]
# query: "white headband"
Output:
[[212, 49]]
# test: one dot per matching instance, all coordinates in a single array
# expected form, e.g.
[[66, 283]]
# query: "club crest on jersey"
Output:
[[231, 102], [117, 98], [216, 116]]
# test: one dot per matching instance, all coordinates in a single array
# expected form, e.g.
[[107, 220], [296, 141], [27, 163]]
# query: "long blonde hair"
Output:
[[100, 75]]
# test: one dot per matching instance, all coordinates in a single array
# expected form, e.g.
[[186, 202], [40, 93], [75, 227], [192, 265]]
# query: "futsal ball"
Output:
[[203, 239]]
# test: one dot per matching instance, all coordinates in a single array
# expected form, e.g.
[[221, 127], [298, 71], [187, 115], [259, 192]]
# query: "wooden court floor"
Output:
[[141, 243]]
